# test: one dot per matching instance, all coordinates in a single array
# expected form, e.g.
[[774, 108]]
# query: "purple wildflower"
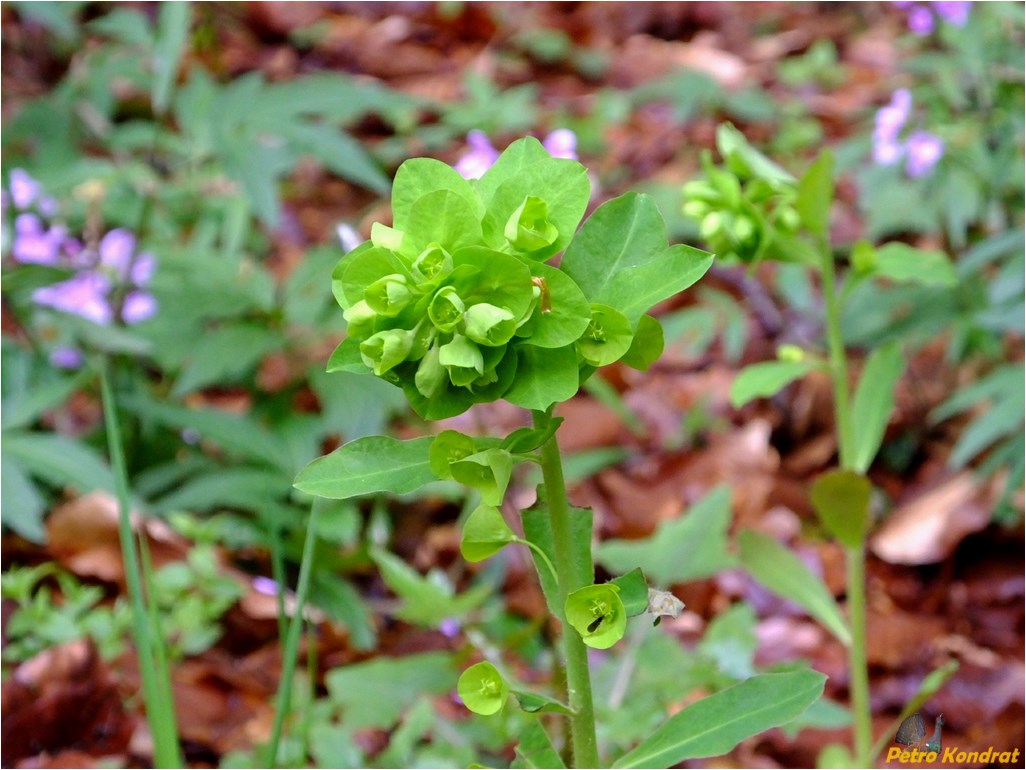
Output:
[[34, 243], [67, 358], [922, 16], [480, 158], [83, 295], [138, 306], [561, 143], [924, 150], [450, 627], [24, 189], [117, 253]]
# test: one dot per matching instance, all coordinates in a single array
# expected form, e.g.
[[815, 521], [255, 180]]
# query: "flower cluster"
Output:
[[746, 207], [107, 280], [922, 16], [920, 149], [443, 302]]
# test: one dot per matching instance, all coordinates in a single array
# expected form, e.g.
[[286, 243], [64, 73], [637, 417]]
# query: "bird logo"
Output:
[[913, 733]]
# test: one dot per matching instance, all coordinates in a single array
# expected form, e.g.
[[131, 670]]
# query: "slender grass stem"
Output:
[[578, 677], [156, 686], [290, 653], [855, 557]]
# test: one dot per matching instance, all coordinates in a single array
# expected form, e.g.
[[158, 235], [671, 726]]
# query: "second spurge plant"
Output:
[[456, 304]]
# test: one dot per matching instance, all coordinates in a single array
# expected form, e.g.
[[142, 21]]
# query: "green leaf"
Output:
[[816, 193], [906, 264], [716, 724], [418, 177], [766, 379], [427, 601], [633, 591], [564, 311], [22, 504], [233, 432], [513, 161], [445, 218], [23, 407], [647, 345], [58, 460], [482, 688], [245, 487], [367, 465], [172, 32], [226, 354], [538, 529], [535, 751], [545, 376], [874, 401], [488, 472], [376, 693], [620, 257], [484, 534], [841, 499], [745, 160], [730, 640], [338, 152], [690, 547], [785, 574]]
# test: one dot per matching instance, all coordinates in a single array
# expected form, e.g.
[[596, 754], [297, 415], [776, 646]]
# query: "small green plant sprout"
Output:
[[458, 303], [751, 208]]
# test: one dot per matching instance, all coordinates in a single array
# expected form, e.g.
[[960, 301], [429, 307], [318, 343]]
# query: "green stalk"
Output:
[[156, 687], [578, 677], [855, 557], [290, 653]]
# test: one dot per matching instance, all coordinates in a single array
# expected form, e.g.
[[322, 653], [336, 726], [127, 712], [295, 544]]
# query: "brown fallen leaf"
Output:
[[928, 528], [63, 698]]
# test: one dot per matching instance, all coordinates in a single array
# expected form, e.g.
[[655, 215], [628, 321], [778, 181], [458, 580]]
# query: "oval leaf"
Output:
[[716, 724], [874, 401], [766, 379], [841, 499], [485, 534], [785, 574], [370, 464]]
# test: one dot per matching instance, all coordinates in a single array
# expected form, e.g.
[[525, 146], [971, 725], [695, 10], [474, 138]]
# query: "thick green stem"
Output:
[[855, 557], [859, 687], [156, 685], [578, 677]]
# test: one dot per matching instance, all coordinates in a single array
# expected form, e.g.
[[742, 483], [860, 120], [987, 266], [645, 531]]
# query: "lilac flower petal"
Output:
[[143, 268], [24, 188], [887, 152], [84, 295], [562, 143], [450, 627], [116, 249], [67, 358], [266, 586], [347, 236], [139, 305], [953, 11], [482, 155], [888, 123], [901, 100], [35, 245], [920, 20], [48, 206], [924, 150]]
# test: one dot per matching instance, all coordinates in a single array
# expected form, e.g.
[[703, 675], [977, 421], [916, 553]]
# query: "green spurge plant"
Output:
[[787, 218], [457, 304]]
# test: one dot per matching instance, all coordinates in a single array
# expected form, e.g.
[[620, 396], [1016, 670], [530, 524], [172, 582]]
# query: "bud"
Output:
[[711, 225], [788, 220], [446, 309], [431, 376], [489, 325], [388, 296], [743, 228], [386, 350], [695, 209], [360, 320], [463, 359], [433, 262], [528, 228], [790, 353]]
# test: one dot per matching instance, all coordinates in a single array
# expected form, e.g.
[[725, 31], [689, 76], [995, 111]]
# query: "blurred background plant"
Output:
[[171, 201]]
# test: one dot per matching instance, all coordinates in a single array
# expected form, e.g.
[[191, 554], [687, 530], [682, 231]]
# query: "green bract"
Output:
[[454, 302], [598, 614], [482, 688], [485, 534]]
